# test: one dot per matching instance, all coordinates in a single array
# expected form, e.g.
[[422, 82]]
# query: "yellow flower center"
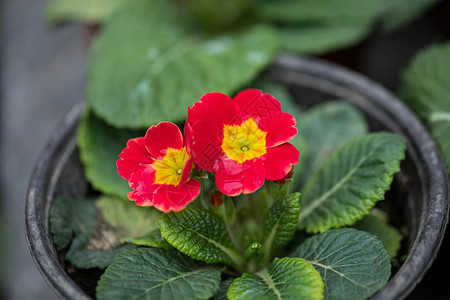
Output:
[[244, 142], [169, 169]]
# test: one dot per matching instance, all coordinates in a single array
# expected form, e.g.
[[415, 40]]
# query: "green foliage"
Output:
[[324, 128], [222, 294], [353, 264], [286, 278], [150, 273], [128, 218], [351, 181], [201, 235], [379, 227], [91, 11], [425, 87], [100, 145], [153, 239], [280, 223], [402, 12], [157, 51], [74, 223]]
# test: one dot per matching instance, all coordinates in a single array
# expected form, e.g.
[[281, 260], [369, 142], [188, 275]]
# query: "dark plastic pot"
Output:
[[419, 193]]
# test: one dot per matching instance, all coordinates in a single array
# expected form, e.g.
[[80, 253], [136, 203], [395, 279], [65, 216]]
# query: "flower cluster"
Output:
[[242, 140]]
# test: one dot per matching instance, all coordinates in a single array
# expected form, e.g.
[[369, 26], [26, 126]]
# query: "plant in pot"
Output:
[[225, 243]]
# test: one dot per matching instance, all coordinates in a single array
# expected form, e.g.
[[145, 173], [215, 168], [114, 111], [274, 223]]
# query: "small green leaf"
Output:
[[254, 250], [150, 273], [351, 181], [201, 235], [130, 220], [154, 239], [100, 146], [222, 294], [286, 278], [92, 11], [85, 258], [280, 223], [379, 227], [353, 264], [325, 127], [157, 51]]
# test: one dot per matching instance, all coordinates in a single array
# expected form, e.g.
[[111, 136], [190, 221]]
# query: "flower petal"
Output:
[[134, 154], [233, 178], [253, 102], [217, 108], [176, 198], [162, 136], [206, 149], [280, 160], [142, 183], [279, 129]]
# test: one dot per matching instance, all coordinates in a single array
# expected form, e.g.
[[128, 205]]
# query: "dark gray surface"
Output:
[[41, 78]]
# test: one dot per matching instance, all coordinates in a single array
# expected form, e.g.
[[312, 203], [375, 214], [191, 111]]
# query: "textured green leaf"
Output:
[[280, 223], [100, 145], [72, 218], [286, 278], [150, 273], [74, 223], [201, 235], [425, 87], [353, 264], [379, 227], [222, 294], [127, 218], [93, 11], [324, 128], [146, 50], [402, 12], [322, 38], [351, 181], [153, 239]]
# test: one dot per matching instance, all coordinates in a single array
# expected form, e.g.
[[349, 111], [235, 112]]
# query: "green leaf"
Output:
[[136, 64], [91, 11], [353, 264], [150, 273], [403, 12], [222, 294], [100, 145], [201, 235], [286, 278], [379, 227], [351, 181], [130, 220], [72, 218], [322, 38], [425, 87], [325, 127], [280, 223], [74, 222], [153, 239]]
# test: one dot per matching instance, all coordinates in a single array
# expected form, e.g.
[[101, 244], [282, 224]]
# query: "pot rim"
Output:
[[435, 216]]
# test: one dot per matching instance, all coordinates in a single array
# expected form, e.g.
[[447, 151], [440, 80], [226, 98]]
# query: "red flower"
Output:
[[243, 140], [157, 168]]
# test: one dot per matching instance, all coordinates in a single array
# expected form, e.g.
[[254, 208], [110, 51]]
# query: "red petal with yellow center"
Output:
[[280, 160], [234, 178], [176, 198], [141, 182], [279, 129], [257, 104], [134, 154], [162, 136]]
